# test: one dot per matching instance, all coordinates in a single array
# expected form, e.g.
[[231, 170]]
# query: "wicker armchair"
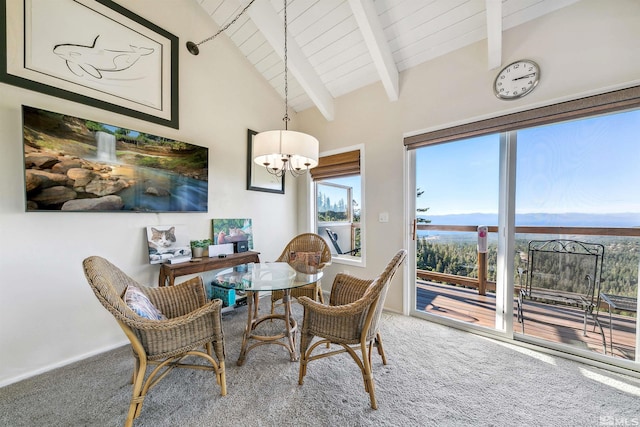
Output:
[[350, 320], [193, 324], [307, 242]]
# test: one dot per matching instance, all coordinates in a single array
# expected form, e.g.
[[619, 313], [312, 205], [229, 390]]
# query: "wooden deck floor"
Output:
[[556, 323]]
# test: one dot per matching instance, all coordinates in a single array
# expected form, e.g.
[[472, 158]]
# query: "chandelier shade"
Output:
[[282, 150]]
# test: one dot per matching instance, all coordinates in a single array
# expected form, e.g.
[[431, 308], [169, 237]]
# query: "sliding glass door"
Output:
[[555, 195]]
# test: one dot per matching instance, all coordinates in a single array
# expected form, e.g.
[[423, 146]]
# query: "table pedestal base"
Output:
[[286, 339]]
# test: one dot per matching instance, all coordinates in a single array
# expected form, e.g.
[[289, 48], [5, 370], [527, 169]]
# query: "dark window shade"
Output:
[[337, 165], [592, 105]]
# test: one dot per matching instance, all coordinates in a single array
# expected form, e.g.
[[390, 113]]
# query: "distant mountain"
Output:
[[542, 219]]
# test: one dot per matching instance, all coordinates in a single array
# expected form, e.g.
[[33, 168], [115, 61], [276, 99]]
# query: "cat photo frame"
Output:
[[166, 242], [231, 230]]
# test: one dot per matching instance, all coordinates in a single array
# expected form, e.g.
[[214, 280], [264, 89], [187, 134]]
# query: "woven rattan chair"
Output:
[[307, 242], [192, 328], [350, 320]]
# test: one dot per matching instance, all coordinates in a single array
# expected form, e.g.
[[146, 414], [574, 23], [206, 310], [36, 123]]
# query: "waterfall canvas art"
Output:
[[74, 164]]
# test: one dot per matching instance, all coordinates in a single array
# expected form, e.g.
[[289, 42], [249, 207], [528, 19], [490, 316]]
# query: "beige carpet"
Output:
[[436, 376]]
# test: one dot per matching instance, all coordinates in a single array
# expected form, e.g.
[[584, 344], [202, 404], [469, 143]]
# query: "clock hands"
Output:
[[524, 77]]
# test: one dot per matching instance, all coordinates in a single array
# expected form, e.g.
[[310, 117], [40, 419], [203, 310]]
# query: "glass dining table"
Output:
[[254, 278]]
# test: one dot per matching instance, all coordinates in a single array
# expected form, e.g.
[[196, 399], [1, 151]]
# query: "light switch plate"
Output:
[[383, 217]]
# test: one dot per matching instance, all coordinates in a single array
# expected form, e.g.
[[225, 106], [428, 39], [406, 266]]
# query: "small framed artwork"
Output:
[[166, 242], [258, 178], [231, 230], [94, 52]]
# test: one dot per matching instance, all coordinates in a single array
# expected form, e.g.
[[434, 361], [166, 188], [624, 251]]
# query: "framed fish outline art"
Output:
[[115, 60]]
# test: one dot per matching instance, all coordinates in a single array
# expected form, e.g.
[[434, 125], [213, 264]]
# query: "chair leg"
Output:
[[367, 375], [221, 378], [380, 348], [303, 368], [137, 397], [305, 353], [319, 297]]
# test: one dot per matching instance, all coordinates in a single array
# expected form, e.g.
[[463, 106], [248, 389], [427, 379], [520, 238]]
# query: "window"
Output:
[[338, 204]]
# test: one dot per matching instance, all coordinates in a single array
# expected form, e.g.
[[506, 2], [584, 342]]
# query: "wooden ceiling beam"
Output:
[[367, 18], [271, 26], [494, 33]]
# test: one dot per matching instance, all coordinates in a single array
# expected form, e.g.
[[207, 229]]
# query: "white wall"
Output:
[[48, 314], [589, 47]]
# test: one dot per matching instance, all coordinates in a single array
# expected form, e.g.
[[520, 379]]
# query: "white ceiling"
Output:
[[338, 46]]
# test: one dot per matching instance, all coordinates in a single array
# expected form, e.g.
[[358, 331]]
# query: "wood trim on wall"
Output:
[[589, 106]]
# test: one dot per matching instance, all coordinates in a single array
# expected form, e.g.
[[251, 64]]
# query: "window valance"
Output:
[[337, 165], [592, 105]]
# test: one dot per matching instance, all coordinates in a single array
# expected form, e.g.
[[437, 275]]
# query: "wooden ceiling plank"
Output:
[[367, 19]]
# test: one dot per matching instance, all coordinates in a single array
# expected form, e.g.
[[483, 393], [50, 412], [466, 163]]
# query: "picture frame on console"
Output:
[[258, 178], [116, 60]]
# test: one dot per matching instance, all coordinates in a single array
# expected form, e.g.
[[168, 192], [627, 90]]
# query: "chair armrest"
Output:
[[171, 323], [161, 338], [347, 289]]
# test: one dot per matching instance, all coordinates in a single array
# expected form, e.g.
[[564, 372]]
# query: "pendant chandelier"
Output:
[[285, 150], [278, 151]]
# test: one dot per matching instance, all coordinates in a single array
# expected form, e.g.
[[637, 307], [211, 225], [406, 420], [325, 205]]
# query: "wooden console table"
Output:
[[168, 272]]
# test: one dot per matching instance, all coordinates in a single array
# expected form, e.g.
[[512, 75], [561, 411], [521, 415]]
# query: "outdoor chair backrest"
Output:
[[565, 265]]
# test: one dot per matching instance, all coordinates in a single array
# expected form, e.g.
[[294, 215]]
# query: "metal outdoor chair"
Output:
[[192, 327], [334, 241], [351, 320], [562, 272]]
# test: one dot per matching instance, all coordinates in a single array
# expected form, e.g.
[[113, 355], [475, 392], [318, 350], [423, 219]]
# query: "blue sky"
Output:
[[587, 166], [336, 194]]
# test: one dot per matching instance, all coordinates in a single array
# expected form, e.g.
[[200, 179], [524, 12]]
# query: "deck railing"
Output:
[[481, 283]]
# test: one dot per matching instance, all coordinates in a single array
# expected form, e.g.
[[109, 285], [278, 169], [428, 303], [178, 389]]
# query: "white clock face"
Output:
[[517, 79]]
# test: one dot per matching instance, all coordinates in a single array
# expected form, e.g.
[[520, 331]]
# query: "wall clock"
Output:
[[517, 79]]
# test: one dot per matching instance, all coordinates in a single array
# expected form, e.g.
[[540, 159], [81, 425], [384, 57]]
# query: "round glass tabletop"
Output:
[[255, 277]]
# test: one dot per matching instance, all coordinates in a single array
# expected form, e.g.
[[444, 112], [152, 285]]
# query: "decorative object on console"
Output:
[[285, 150], [166, 242], [115, 60], [220, 250], [231, 230], [75, 164], [198, 247]]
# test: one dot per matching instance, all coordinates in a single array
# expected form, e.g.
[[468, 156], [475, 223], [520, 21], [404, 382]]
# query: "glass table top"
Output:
[[270, 276]]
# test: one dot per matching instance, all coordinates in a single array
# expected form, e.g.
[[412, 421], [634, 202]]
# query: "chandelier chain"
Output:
[[227, 25], [286, 72]]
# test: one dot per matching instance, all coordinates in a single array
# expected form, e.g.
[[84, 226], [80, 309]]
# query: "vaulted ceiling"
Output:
[[338, 46]]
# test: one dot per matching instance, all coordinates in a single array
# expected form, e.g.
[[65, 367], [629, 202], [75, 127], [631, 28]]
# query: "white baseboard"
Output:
[[60, 364]]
